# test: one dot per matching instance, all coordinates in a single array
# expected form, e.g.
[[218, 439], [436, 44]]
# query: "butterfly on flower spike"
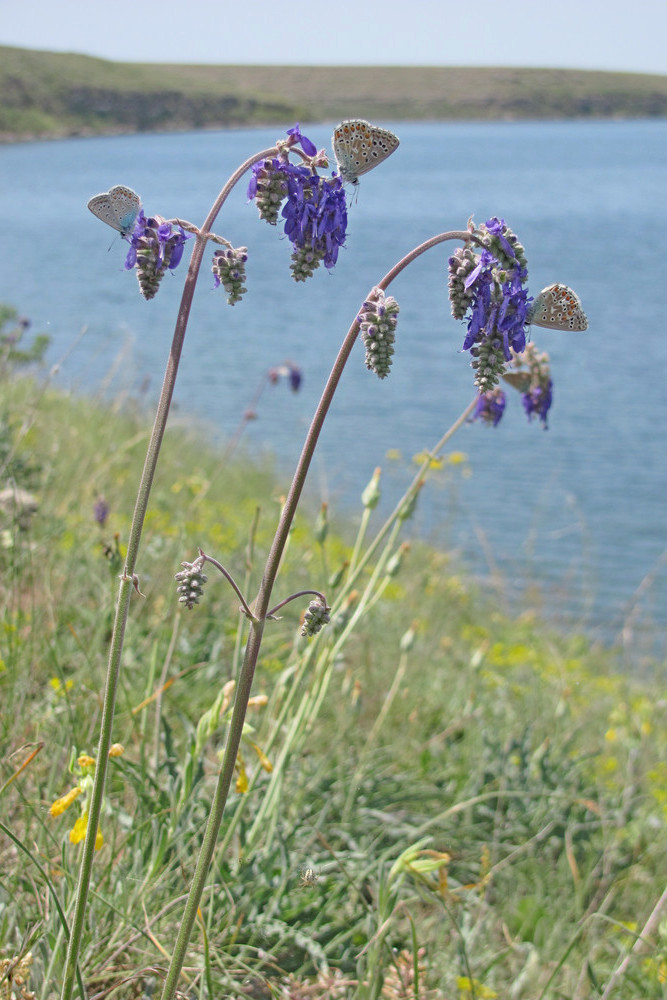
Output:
[[118, 207], [359, 146], [557, 307]]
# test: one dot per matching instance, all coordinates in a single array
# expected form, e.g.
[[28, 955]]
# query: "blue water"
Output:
[[578, 513]]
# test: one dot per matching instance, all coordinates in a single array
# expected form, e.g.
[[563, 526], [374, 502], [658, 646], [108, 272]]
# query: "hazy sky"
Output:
[[588, 34]]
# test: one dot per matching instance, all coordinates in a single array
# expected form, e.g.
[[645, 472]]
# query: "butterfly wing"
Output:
[[359, 146], [557, 307], [118, 208], [519, 380]]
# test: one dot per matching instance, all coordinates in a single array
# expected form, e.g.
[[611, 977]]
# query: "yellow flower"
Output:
[[116, 750], [263, 759], [242, 779], [78, 832], [466, 988], [434, 461], [64, 802], [84, 760]]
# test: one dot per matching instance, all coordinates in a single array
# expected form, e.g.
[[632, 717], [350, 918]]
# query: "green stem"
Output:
[[128, 578]]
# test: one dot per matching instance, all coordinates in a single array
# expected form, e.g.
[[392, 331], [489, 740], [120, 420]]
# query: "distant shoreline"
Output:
[[49, 95]]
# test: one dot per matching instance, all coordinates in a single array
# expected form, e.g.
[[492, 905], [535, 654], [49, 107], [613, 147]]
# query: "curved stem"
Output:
[[293, 597], [126, 580], [257, 626], [230, 580]]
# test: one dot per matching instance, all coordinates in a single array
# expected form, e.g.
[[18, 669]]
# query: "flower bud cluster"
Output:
[[315, 617], [268, 186], [488, 360], [378, 319], [191, 582], [155, 247], [462, 262], [229, 271]]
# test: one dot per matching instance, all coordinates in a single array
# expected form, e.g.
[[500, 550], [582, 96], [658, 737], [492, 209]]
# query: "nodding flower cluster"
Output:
[[229, 271], [532, 377], [314, 208], [155, 247], [191, 582], [490, 407], [315, 617], [487, 287], [378, 319]]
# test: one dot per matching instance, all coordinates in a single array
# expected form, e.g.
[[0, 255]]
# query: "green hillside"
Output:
[[60, 94]]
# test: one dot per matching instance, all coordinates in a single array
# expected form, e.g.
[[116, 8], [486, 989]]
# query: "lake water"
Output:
[[579, 510]]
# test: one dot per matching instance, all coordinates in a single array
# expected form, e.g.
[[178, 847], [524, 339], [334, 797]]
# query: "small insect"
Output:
[[118, 207], [557, 307], [359, 146], [520, 380], [308, 877]]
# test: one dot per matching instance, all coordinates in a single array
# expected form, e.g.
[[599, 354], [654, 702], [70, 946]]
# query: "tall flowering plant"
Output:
[[487, 278]]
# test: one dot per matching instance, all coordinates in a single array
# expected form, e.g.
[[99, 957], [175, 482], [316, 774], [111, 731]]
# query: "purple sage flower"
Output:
[[537, 402], [490, 407], [307, 146], [487, 288], [155, 246], [315, 216]]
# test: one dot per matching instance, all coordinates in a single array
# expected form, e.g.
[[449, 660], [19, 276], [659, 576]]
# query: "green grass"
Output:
[[61, 94], [467, 786]]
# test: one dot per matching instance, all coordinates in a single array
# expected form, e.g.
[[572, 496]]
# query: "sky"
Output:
[[628, 35]]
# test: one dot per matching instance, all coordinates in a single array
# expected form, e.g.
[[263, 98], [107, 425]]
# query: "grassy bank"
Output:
[[44, 94], [435, 800]]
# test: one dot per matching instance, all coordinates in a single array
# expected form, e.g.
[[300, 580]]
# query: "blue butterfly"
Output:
[[119, 208]]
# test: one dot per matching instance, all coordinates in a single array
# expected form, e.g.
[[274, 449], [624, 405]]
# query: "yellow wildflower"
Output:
[[78, 832], [64, 802]]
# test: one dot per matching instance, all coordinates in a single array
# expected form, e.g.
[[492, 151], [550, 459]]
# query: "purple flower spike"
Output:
[[538, 402], [490, 407], [486, 287], [155, 246]]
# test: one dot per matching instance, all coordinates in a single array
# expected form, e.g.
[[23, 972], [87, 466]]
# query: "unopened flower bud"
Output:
[[315, 617], [378, 319], [228, 268], [371, 495], [462, 263], [191, 582], [268, 186]]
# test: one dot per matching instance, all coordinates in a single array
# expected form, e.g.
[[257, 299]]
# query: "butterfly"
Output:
[[558, 308], [119, 208], [520, 380], [359, 146]]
